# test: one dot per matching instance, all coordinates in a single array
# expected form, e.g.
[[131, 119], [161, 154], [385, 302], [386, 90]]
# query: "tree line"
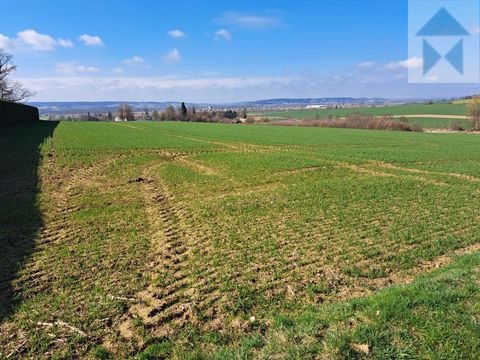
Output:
[[182, 113]]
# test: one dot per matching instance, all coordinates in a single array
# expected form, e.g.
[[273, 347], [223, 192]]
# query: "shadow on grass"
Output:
[[20, 217]]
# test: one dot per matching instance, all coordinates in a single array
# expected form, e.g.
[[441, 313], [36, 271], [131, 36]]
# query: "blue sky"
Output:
[[212, 51]]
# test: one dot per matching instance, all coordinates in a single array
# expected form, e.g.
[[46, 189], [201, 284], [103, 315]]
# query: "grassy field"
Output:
[[199, 241], [410, 109], [436, 123]]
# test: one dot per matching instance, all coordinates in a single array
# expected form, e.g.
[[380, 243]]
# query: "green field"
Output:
[[436, 123], [409, 109], [198, 241]]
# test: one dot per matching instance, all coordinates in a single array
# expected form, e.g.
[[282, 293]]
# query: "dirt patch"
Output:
[[129, 126], [425, 172], [449, 131], [364, 170], [259, 189], [429, 266], [434, 116], [299, 170], [373, 172], [197, 166]]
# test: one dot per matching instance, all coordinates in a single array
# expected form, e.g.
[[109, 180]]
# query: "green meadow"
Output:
[[405, 110]]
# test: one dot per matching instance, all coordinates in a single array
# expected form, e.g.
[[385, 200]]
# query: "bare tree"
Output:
[[169, 113], [243, 114], [125, 112], [155, 115], [10, 90], [474, 112]]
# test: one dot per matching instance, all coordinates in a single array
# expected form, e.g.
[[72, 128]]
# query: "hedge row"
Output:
[[13, 113]]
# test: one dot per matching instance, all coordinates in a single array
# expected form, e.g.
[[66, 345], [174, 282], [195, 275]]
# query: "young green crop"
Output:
[[161, 239], [409, 109]]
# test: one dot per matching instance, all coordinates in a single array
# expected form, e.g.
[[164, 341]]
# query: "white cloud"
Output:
[[134, 61], [74, 69], [36, 40], [84, 88], [412, 63], [176, 33], [223, 34], [367, 65], [30, 39], [91, 40], [250, 21], [118, 70], [173, 56], [65, 43], [4, 41], [228, 89]]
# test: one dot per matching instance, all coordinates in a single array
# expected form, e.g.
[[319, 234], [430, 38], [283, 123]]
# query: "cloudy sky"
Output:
[[213, 51]]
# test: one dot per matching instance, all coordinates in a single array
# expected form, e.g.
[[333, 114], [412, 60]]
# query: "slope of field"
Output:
[[190, 240], [427, 122], [409, 109]]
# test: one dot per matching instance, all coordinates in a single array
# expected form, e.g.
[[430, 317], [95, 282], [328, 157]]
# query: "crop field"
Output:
[[455, 109], [210, 241], [439, 123]]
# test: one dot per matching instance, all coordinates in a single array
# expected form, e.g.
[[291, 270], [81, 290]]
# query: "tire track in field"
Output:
[[183, 283], [164, 304], [57, 228]]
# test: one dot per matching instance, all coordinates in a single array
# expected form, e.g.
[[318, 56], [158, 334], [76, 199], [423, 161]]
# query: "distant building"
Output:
[[316, 107]]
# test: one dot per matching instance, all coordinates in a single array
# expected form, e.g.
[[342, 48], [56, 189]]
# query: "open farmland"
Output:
[[436, 115], [408, 109], [189, 240]]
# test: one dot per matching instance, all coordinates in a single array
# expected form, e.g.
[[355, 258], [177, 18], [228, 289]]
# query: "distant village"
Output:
[[151, 111], [125, 112]]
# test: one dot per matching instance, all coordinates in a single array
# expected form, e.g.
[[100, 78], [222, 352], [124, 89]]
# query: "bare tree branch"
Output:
[[11, 90]]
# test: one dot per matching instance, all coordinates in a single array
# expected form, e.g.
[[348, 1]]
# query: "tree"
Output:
[[109, 116], [183, 111], [169, 113], [230, 114], [244, 113], [155, 115], [10, 90], [474, 112], [125, 112]]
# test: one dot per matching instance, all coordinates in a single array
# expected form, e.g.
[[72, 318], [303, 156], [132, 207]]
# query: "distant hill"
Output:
[[96, 106], [319, 101]]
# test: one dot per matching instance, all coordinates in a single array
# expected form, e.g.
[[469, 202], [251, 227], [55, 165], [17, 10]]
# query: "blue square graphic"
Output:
[[444, 41]]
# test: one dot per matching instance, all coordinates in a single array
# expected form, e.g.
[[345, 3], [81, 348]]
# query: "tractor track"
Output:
[[182, 284], [57, 229]]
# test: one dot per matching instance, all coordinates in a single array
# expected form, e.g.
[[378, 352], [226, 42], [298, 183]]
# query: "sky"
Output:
[[213, 51]]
